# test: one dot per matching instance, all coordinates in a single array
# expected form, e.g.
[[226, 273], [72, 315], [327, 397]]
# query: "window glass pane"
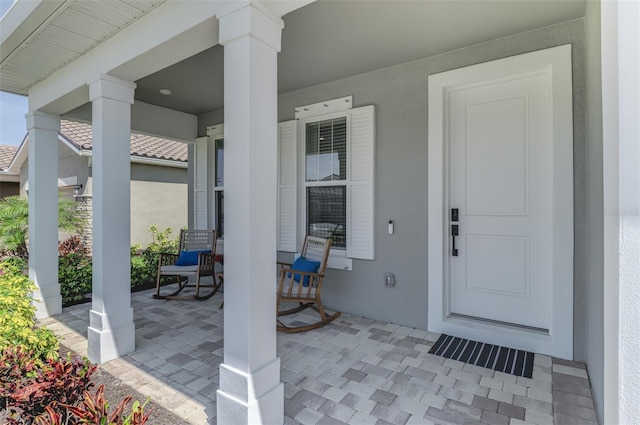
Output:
[[327, 214], [326, 150], [220, 213], [220, 162]]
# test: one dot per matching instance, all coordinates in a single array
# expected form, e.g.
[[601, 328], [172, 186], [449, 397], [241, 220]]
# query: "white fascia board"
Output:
[[145, 160], [158, 161], [62, 182], [68, 143], [280, 8], [151, 120], [163, 122], [22, 19], [21, 155], [173, 31], [23, 152], [9, 176]]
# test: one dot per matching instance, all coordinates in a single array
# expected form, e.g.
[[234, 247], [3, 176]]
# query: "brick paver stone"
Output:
[[354, 371]]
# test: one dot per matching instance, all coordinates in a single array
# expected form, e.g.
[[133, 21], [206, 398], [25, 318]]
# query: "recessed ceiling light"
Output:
[[165, 92]]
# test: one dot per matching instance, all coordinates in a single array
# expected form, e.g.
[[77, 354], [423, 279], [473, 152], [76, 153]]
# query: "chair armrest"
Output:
[[310, 274], [167, 259], [206, 264], [288, 287], [314, 277]]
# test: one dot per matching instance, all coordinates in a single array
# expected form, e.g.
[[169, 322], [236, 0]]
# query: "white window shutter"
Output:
[[287, 186], [200, 184], [360, 208]]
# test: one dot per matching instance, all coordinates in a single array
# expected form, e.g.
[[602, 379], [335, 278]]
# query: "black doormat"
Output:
[[503, 359]]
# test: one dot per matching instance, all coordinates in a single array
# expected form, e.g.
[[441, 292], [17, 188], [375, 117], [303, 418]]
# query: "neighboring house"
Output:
[[158, 178], [9, 181], [484, 152]]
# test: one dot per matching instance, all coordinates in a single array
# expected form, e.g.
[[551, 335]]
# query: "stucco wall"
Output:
[[594, 332], [158, 196], [70, 164], [158, 193], [400, 96]]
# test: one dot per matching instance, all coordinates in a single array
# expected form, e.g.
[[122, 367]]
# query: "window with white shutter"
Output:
[[201, 184], [338, 177], [287, 186]]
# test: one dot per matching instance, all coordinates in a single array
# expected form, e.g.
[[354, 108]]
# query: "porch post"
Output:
[[43, 211], [620, 33], [250, 388], [111, 329]]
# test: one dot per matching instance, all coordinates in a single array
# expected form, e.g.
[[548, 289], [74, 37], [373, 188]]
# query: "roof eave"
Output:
[[9, 177], [20, 156]]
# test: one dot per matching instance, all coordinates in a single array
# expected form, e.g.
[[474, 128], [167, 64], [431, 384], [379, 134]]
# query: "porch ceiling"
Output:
[[330, 40], [324, 41]]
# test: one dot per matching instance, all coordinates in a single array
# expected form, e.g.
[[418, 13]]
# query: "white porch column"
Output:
[[43, 211], [250, 388], [111, 329], [620, 31]]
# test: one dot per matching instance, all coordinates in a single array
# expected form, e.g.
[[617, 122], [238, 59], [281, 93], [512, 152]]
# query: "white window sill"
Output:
[[339, 261]]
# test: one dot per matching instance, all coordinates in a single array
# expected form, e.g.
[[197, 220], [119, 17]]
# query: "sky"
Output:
[[13, 108]]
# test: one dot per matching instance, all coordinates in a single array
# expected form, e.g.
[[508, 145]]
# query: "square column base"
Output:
[[48, 301], [250, 398], [110, 335]]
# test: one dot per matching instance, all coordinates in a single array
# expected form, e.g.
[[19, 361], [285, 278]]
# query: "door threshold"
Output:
[[541, 331]]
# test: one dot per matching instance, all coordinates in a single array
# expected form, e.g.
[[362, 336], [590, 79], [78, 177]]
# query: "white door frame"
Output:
[[559, 341]]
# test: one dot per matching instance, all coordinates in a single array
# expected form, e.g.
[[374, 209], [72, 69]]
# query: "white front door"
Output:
[[505, 184], [500, 155]]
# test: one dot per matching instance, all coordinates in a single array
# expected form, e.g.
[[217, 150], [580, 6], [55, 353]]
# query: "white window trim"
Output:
[[205, 146], [215, 133], [360, 183], [337, 257]]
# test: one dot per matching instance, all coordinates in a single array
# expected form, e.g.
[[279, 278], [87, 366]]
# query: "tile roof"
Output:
[[6, 155], [80, 134]]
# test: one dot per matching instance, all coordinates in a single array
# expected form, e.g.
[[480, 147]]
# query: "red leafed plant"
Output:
[[28, 385], [72, 245], [94, 409]]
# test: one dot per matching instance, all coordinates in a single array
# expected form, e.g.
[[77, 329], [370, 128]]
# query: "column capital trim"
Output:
[[42, 121], [250, 19], [107, 86]]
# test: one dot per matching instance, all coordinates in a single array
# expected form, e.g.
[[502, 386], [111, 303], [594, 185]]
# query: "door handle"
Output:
[[454, 233]]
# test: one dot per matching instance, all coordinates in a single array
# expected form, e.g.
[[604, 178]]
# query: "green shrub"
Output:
[[14, 222], [140, 271], [74, 269], [144, 266], [17, 314], [75, 276], [162, 242]]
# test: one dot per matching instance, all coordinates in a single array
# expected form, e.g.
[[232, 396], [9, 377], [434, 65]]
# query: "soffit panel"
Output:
[[70, 32]]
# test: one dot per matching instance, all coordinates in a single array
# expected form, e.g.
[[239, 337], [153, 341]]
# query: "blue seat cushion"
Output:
[[304, 265], [189, 258]]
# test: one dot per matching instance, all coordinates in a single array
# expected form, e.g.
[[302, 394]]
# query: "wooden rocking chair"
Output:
[[304, 287], [196, 259]]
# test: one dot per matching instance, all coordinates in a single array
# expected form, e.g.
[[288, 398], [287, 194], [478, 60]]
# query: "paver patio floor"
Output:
[[353, 371]]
